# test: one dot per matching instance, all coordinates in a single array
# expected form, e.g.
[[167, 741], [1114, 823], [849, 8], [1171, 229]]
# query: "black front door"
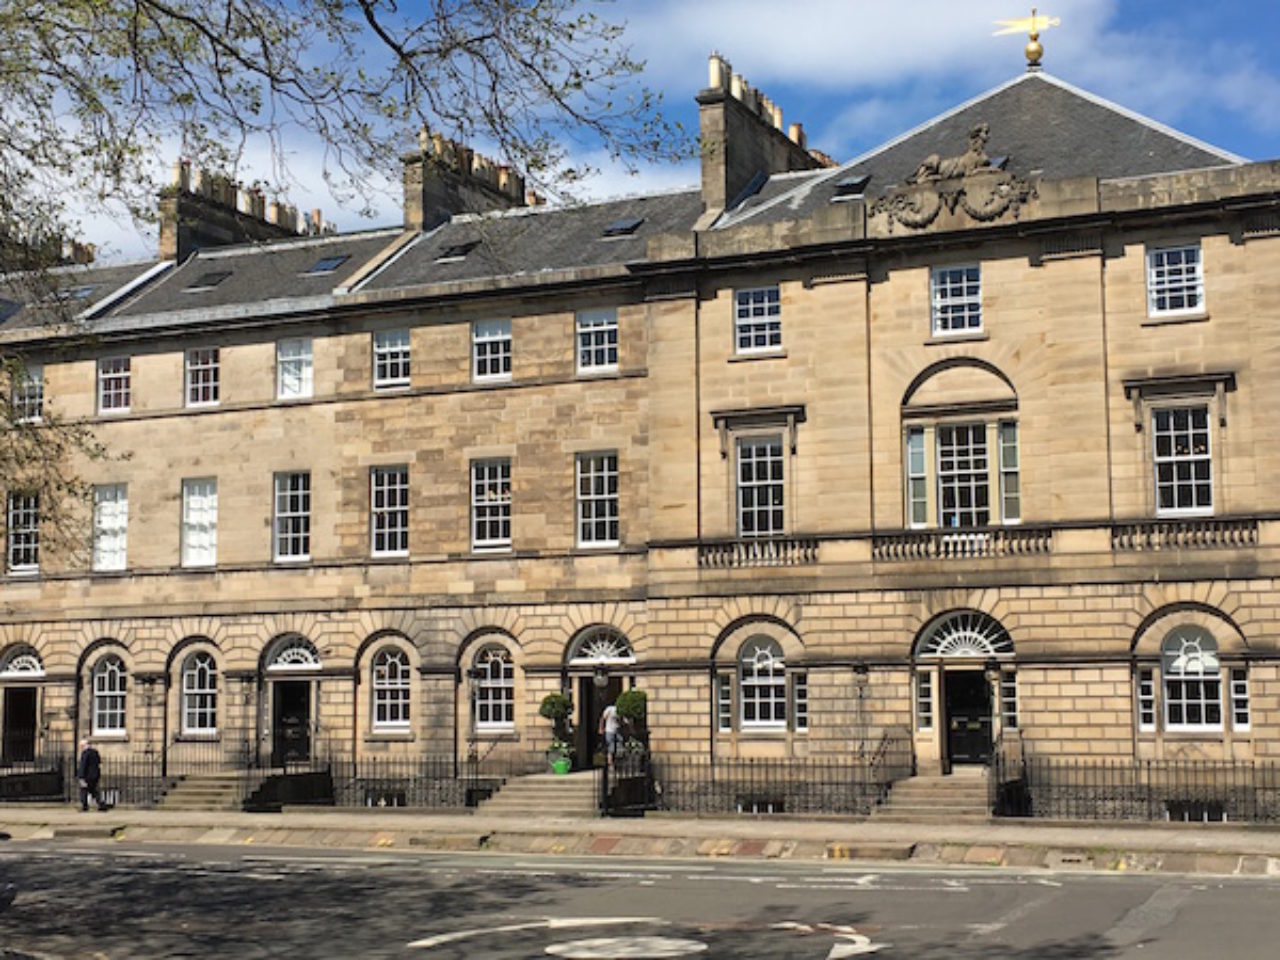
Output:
[[19, 725], [968, 700], [590, 742], [291, 721]]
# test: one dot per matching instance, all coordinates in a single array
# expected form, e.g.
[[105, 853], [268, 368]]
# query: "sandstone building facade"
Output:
[[946, 440]]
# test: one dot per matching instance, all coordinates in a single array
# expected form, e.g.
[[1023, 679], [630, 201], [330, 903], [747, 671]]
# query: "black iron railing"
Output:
[[777, 786], [1095, 789], [430, 782]]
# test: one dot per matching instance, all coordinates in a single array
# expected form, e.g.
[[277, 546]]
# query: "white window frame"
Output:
[[1008, 691], [1175, 460], [295, 369], [762, 451], [22, 534], [1009, 462], [392, 685], [495, 690], [762, 686], [757, 320], [115, 385], [110, 696], [389, 511], [110, 527], [724, 702], [202, 376], [1205, 679], [1147, 712], [200, 694], [597, 499], [924, 700], [800, 701], [491, 504], [491, 350], [597, 338], [291, 519], [1181, 280], [975, 479], [26, 397], [392, 359], [1241, 714], [199, 546], [917, 478], [955, 300]]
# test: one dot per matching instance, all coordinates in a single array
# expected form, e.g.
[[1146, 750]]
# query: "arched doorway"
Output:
[[961, 655], [21, 672], [292, 679], [599, 660]]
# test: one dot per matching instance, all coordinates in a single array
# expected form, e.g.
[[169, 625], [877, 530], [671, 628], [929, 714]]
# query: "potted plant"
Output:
[[558, 708], [633, 711]]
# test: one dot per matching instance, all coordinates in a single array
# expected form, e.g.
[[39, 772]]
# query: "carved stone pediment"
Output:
[[968, 182], [984, 194]]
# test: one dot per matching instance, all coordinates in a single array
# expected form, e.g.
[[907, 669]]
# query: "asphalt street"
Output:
[[120, 900]]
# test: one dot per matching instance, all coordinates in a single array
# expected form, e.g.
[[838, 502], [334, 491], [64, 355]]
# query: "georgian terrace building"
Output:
[[973, 432]]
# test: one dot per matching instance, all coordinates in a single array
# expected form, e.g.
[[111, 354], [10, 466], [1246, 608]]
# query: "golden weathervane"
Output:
[[1031, 25]]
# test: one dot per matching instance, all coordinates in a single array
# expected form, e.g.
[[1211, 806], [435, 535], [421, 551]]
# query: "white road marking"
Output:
[[548, 923], [639, 948]]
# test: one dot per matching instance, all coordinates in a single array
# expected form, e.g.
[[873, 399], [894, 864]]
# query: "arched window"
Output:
[[391, 693], [1192, 680], [495, 690], [21, 662], [200, 694], [110, 684], [762, 685]]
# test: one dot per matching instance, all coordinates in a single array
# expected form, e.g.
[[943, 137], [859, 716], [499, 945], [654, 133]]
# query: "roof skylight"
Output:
[[456, 251], [624, 227], [207, 281], [328, 264]]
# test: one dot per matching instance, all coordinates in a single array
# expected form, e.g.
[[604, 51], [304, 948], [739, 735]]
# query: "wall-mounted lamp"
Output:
[[600, 677], [991, 669]]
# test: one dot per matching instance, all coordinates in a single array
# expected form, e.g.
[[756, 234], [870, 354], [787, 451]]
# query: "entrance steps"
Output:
[[957, 798], [209, 791], [545, 795]]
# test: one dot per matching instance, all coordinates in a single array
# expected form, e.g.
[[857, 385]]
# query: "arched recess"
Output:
[[727, 645], [959, 381], [89, 686], [21, 661], [963, 634], [93, 650], [1149, 637], [290, 653], [599, 645], [180, 649]]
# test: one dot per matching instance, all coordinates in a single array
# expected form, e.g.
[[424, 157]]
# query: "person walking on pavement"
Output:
[[609, 727], [89, 772]]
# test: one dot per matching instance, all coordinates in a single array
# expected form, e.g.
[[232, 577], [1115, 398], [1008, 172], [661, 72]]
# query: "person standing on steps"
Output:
[[89, 772], [609, 727]]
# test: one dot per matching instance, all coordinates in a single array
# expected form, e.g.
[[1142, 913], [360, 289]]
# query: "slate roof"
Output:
[[539, 239], [1039, 122], [29, 300], [258, 274]]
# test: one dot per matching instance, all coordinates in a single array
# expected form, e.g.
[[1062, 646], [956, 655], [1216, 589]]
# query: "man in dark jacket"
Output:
[[89, 772]]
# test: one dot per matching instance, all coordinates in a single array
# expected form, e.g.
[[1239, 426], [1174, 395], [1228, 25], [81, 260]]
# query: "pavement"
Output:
[[1217, 849]]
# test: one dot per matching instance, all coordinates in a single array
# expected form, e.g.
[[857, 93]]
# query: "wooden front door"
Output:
[[19, 725], [291, 721], [968, 706], [592, 700]]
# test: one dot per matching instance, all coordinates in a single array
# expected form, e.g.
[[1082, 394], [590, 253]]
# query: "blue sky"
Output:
[[859, 72]]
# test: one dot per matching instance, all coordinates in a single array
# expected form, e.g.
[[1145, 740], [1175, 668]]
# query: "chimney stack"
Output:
[[742, 136], [446, 178], [201, 208]]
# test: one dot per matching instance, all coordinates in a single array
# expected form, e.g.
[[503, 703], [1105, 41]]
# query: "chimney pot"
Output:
[[717, 72], [797, 136], [736, 84], [777, 117]]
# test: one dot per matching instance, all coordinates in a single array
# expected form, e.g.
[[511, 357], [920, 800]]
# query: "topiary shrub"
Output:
[[558, 708], [633, 706]]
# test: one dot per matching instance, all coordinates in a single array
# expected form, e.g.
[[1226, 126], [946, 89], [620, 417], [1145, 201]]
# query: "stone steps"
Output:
[[960, 798], [545, 795], [205, 792]]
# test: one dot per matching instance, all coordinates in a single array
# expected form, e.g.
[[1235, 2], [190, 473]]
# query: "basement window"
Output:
[[624, 227], [456, 252], [207, 281], [328, 264]]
